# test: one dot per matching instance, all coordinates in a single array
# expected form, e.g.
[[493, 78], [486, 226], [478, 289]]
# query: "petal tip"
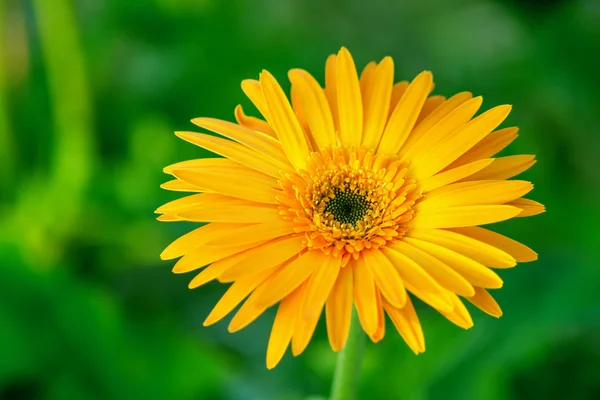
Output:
[[165, 255]]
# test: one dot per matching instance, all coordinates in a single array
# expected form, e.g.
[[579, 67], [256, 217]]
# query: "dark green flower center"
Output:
[[347, 207]]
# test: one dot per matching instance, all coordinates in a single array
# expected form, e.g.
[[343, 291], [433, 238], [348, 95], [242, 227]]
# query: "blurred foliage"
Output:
[[90, 93]]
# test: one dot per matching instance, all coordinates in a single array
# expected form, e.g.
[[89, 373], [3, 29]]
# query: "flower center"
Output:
[[346, 207], [346, 201]]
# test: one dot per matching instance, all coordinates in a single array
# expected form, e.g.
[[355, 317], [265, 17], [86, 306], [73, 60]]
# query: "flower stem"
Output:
[[349, 362]]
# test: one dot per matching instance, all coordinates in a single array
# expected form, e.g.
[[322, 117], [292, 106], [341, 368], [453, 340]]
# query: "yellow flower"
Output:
[[356, 194]]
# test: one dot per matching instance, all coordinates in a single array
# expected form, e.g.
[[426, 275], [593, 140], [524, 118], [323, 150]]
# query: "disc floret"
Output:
[[346, 201]]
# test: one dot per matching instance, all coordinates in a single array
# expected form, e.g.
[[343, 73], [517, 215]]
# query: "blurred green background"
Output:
[[90, 93]]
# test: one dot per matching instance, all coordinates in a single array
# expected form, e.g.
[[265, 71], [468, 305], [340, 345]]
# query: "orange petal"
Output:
[[252, 122], [191, 240], [283, 327], [284, 121], [364, 296], [386, 277], [485, 302], [518, 251], [405, 114], [442, 273], [487, 147], [474, 249], [504, 168], [318, 113], [350, 107], [407, 324], [319, 287], [458, 142], [473, 271], [290, 277], [264, 256], [232, 150], [375, 103], [453, 217], [235, 294], [339, 309], [459, 315], [453, 175], [264, 144], [528, 207], [241, 182]]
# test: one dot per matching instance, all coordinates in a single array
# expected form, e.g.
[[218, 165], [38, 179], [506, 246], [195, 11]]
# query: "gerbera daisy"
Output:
[[363, 193]]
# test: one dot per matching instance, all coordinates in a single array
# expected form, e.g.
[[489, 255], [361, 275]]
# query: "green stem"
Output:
[[349, 361]]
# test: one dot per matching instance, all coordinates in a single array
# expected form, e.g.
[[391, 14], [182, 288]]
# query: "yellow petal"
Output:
[[283, 327], [243, 212], [485, 302], [386, 277], [314, 102], [380, 332], [367, 77], [339, 309], [213, 271], [168, 217], [232, 150], [452, 114], [407, 324], [453, 217], [518, 251], [252, 122], [179, 186], [436, 134], [376, 101], [240, 182], [303, 332], [350, 107], [252, 90], [458, 142], [263, 257], [416, 278], [459, 315], [331, 88], [504, 168], [528, 207], [319, 287], [478, 193], [255, 233], [300, 112], [236, 293], [481, 252], [195, 238], [290, 277], [204, 255], [248, 312], [200, 163], [405, 115], [364, 296], [430, 105], [198, 201], [397, 92], [284, 121], [453, 175], [488, 146], [251, 309], [182, 203], [443, 274], [264, 144], [471, 270]]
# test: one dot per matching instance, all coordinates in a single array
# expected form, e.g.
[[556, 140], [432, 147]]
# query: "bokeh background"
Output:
[[90, 94]]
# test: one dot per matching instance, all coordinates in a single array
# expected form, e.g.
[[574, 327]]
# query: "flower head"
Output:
[[358, 194]]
